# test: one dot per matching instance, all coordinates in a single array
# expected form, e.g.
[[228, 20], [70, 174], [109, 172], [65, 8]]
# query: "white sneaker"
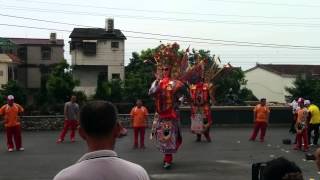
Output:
[[167, 165], [21, 149], [10, 149]]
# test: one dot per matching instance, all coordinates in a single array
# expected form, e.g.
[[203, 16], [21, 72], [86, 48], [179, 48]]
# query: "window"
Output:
[[116, 76], [115, 45], [15, 73], [1, 73], [45, 53], [22, 53], [89, 48], [10, 74]]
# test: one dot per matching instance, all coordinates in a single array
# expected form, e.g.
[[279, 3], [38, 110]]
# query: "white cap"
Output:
[[307, 102], [10, 97]]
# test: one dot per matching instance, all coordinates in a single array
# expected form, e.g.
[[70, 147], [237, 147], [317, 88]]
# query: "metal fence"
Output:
[[56, 121]]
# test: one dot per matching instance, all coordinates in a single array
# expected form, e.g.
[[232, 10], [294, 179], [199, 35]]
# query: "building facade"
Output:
[[8, 68], [37, 57], [270, 80], [97, 53]]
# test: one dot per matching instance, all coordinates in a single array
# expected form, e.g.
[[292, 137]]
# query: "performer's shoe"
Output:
[[59, 141], [262, 140], [142, 147], [135, 147], [208, 139], [10, 150], [166, 165], [21, 149], [251, 139], [198, 140], [297, 148]]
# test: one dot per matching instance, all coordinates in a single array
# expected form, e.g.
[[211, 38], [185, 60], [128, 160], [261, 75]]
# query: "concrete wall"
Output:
[[240, 115], [88, 77], [34, 55], [30, 76], [105, 55], [222, 115], [268, 84], [4, 77], [34, 77]]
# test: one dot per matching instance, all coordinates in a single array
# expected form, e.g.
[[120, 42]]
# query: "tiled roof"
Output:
[[290, 69], [34, 41], [14, 58], [96, 33], [9, 58]]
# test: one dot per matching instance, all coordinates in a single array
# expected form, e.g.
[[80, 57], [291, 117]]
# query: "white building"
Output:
[[8, 68], [97, 52], [270, 80]]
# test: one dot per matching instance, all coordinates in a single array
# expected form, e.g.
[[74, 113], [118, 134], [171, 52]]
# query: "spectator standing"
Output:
[[139, 118], [100, 129], [314, 121], [11, 112], [261, 119], [71, 119], [302, 127]]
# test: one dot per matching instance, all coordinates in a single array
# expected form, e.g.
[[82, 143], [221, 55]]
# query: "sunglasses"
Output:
[[166, 69]]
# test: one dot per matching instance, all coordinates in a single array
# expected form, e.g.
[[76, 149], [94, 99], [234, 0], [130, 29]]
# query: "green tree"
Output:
[[110, 90], [81, 97], [139, 76], [13, 88], [230, 85], [307, 88], [60, 83]]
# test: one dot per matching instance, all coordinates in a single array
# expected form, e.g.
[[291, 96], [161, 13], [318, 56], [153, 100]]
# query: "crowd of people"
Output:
[[305, 123], [97, 124]]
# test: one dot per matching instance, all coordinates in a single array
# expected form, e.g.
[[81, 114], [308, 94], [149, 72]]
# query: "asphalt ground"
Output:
[[228, 157]]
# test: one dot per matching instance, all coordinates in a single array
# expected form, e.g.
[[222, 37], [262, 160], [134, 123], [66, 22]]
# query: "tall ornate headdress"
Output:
[[169, 56], [188, 67]]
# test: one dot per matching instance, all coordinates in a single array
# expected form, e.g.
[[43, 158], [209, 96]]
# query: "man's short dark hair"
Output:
[[282, 169], [98, 118], [263, 99]]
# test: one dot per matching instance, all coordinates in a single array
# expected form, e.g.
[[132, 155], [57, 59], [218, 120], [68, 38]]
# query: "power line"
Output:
[[165, 39], [199, 42], [266, 3], [32, 27], [168, 35], [170, 19], [169, 12]]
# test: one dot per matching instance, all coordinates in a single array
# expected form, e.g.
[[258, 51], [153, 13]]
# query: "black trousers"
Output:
[[315, 128]]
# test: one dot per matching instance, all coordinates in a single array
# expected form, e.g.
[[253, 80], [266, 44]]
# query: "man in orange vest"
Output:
[[260, 118], [11, 111], [139, 117]]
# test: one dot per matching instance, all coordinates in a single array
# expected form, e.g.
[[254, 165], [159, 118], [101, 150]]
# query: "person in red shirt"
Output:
[[260, 118], [139, 117], [11, 112]]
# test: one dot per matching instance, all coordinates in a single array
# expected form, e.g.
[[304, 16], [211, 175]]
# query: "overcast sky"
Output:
[[283, 22]]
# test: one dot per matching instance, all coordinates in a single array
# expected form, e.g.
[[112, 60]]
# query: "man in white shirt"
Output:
[[100, 129]]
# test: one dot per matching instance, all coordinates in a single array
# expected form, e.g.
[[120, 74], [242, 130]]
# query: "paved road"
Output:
[[228, 157]]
